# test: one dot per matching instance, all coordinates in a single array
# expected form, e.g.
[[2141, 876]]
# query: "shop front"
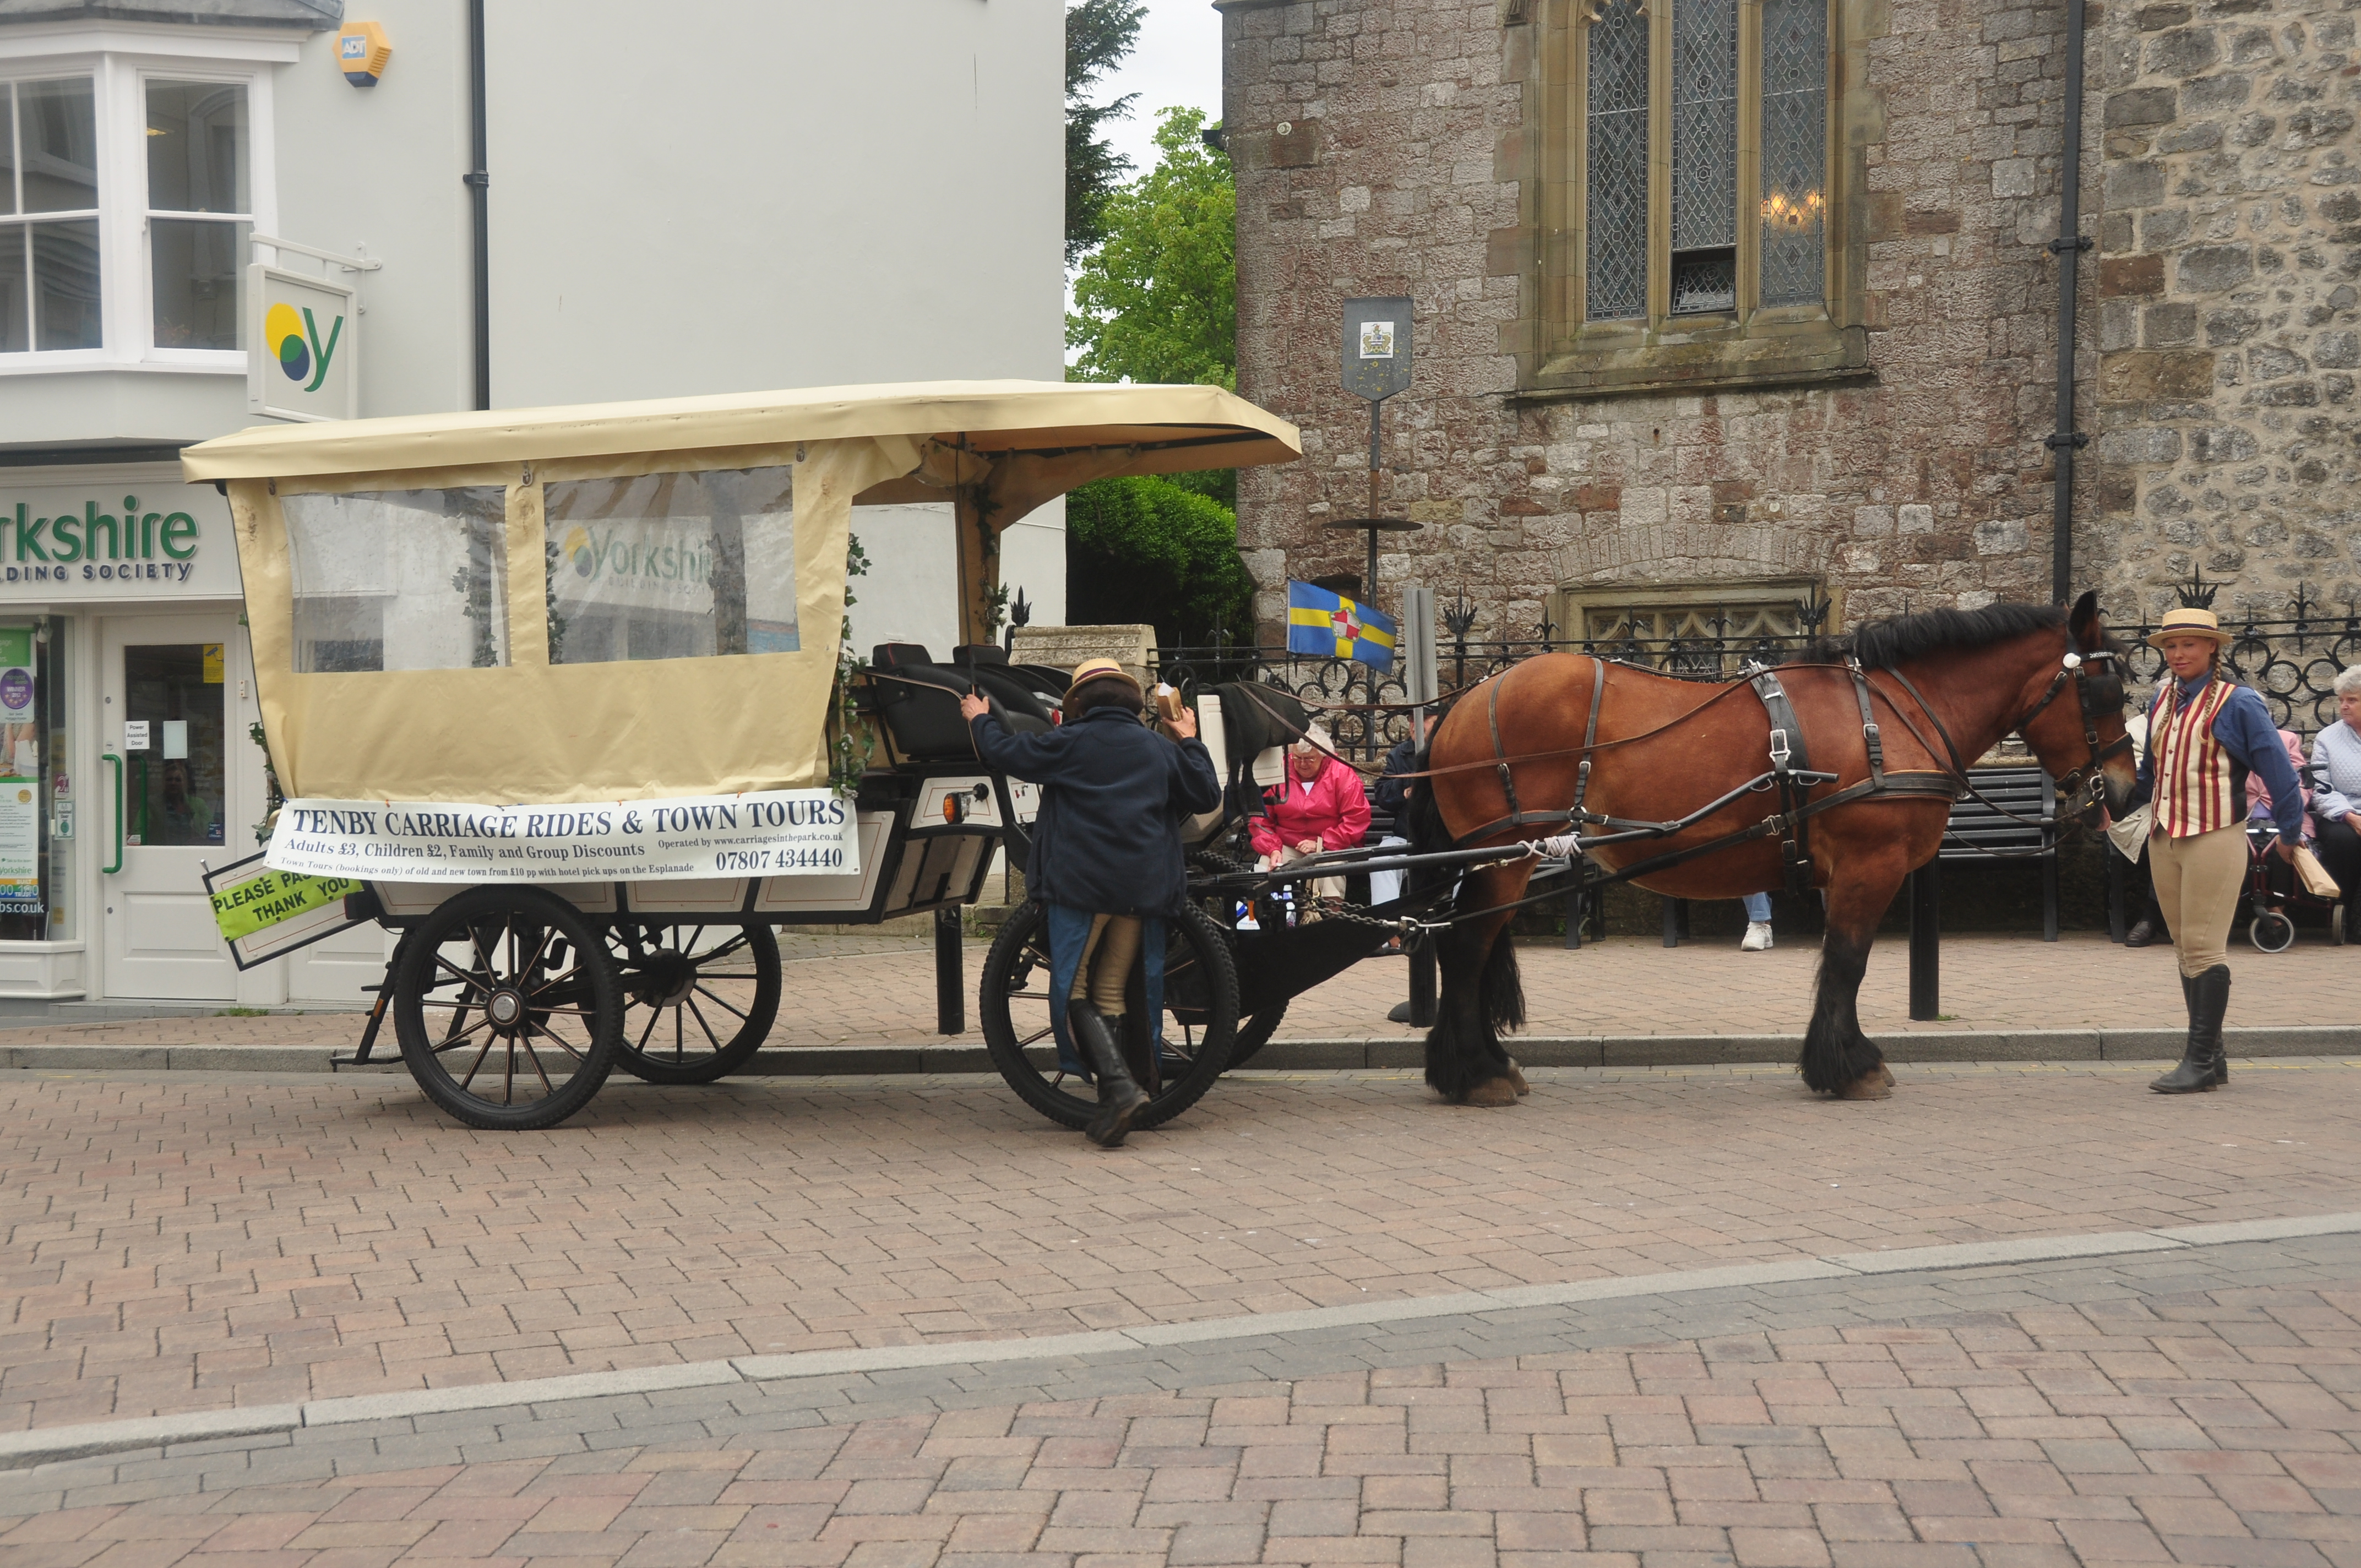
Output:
[[129, 762]]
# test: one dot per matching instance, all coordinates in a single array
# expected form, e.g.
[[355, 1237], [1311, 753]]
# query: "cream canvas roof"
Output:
[[1161, 429]]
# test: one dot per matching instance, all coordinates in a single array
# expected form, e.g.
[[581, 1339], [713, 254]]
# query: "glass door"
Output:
[[170, 780]]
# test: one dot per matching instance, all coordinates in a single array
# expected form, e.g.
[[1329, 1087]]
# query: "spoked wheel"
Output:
[[2336, 926], [1254, 1033], [1200, 1016], [698, 1001], [507, 1009], [2271, 931]]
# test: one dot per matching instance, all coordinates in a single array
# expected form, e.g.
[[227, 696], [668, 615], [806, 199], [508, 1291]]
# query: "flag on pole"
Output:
[[1331, 626]]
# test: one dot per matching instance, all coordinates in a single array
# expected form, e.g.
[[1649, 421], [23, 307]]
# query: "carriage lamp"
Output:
[[955, 803], [361, 52]]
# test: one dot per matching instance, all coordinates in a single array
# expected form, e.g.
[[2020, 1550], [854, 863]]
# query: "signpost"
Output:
[[1376, 365]]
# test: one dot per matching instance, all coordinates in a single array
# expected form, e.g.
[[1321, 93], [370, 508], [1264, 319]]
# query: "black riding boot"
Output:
[[1120, 1098], [2203, 1063]]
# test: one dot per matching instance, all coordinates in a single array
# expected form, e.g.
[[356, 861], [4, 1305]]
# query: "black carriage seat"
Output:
[[924, 724], [993, 675], [1042, 680]]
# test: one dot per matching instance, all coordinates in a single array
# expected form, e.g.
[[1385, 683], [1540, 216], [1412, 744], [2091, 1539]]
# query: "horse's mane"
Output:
[[1882, 644]]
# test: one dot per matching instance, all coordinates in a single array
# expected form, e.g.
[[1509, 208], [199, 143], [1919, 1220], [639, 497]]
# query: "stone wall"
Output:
[[2229, 330], [2219, 313]]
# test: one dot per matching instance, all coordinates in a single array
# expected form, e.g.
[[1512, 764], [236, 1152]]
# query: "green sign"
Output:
[[243, 908], [16, 646]]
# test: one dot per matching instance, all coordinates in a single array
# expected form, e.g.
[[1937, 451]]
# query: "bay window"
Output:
[[50, 257]]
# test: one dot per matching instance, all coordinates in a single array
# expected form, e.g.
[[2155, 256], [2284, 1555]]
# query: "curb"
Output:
[[1298, 1056], [25, 1450]]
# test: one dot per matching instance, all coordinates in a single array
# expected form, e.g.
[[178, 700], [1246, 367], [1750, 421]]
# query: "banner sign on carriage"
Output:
[[770, 833]]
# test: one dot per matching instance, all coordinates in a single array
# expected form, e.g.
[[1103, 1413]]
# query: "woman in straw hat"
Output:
[[2206, 734], [1106, 862]]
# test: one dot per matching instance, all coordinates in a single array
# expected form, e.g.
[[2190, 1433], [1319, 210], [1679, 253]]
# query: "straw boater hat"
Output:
[[2189, 621], [1103, 670]]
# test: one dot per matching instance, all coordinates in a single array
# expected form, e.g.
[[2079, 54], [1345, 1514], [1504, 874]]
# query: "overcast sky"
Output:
[[1178, 60]]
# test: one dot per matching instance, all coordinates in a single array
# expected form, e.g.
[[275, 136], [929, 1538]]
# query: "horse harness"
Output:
[[1790, 774]]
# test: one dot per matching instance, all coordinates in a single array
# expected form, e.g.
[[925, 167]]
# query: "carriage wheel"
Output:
[[507, 1008], [698, 1001], [1254, 1033], [2271, 931], [1200, 1016], [2336, 926]]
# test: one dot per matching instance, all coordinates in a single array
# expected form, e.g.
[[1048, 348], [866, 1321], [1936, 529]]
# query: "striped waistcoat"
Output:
[[2191, 768]]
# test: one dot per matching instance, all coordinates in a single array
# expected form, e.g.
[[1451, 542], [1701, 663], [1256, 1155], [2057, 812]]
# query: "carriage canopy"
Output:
[[627, 602]]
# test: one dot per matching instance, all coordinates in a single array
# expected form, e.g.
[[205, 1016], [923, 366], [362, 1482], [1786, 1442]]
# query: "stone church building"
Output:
[[1718, 302]]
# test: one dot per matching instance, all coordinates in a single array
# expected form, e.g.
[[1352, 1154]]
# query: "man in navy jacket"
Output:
[[1107, 864]]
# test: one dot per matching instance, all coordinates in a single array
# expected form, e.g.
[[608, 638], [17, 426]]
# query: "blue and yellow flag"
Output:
[[1331, 626]]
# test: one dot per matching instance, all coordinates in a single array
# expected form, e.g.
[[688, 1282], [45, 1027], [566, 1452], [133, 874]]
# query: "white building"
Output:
[[709, 196]]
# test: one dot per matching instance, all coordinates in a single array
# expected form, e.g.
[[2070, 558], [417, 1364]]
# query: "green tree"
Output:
[[1145, 549], [1158, 301], [1099, 34]]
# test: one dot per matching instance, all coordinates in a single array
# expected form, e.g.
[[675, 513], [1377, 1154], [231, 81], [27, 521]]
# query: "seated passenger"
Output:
[[1320, 806], [2336, 753]]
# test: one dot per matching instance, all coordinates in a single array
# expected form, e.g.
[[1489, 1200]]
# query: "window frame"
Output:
[[143, 74], [120, 57], [1753, 344]]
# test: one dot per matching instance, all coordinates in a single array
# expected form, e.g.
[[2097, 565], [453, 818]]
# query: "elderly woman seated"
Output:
[[2337, 786], [1320, 806]]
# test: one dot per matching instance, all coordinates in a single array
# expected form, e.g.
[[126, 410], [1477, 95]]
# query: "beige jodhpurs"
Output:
[[2198, 879], [1107, 956]]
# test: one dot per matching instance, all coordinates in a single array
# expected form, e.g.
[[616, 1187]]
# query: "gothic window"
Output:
[[1703, 158]]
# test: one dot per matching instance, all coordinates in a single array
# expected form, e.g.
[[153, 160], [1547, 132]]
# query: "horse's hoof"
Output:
[[1885, 1074], [1518, 1078], [1492, 1092], [1869, 1086]]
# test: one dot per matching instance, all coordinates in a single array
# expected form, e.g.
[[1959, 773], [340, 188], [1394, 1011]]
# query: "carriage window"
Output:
[[672, 565], [399, 579]]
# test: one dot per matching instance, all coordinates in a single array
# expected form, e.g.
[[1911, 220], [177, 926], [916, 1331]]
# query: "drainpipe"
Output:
[[2067, 248], [478, 180]]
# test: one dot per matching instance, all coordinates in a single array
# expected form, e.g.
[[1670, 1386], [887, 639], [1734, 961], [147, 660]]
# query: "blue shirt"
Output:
[[2245, 730]]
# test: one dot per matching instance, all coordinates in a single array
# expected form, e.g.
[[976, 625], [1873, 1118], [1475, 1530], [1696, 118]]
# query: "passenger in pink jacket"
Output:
[[1320, 806]]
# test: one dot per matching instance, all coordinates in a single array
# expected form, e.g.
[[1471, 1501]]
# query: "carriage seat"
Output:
[[924, 724], [1043, 680]]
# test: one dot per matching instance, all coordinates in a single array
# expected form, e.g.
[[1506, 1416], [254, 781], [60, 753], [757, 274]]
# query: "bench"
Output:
[[1975, 827]]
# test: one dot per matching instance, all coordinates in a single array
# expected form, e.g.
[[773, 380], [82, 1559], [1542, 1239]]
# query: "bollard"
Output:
[[1574, 909], [1673, 909], [951, 989], [1926, 942], [1422, 983]]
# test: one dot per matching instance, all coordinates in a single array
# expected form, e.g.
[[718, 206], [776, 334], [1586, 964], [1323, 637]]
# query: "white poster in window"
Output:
[[134, 734], [20, 846]]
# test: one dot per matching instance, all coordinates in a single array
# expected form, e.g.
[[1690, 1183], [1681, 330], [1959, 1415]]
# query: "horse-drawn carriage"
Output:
[[557, 696]]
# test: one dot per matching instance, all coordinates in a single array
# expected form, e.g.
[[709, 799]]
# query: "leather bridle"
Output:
[[2086, 784]]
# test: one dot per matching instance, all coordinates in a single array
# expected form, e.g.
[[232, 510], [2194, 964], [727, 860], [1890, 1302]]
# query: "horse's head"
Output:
[[2082, 742]]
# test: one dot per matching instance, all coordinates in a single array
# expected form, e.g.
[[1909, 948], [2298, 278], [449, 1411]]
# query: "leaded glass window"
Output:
[[1616, 193], [1704, 156], [1795, 149], [1740, 220]]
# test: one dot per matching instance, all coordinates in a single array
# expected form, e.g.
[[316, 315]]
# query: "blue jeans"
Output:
[[1069, 930], [1757, 908]]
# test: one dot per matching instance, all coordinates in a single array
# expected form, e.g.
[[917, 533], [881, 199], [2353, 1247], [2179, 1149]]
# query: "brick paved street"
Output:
[[182, 1246], [879, 991], [2135, 1411]]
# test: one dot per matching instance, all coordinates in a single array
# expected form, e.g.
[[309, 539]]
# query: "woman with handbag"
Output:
[[2206, 735]]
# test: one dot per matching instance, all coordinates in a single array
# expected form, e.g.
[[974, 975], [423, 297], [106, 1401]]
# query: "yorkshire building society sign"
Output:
[[114, 539], [301, 362]]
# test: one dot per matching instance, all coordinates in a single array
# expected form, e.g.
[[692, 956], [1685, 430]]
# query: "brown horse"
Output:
[[1941, 688]]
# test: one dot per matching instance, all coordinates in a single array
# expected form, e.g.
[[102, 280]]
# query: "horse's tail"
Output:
[[1420, 822]]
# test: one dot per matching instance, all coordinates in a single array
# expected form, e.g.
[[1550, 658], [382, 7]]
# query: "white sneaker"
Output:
[[1757, 938]]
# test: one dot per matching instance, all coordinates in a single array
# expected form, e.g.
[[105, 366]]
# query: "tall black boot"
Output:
[[2204, 1063], [1120, 1097]]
